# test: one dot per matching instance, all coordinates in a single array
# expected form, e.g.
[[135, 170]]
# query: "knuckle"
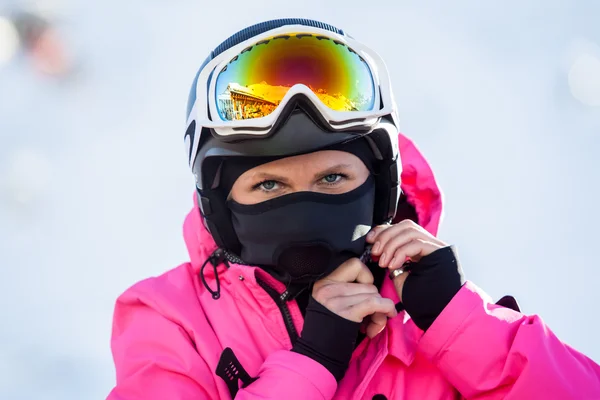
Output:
[[327, 291], [370, 288], [329, 304], [355, 262], [332, 304], [359, 266], [318, 297], [414, 230], [388, 303], [350, 263], [383, 233], [414, 242], [373, 301]]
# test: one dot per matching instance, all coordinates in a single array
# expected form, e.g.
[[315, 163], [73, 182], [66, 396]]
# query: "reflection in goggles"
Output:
[[241, 102], [253, 101], [253, 84]]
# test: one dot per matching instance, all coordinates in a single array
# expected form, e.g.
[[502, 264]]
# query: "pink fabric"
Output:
[[169, 333]]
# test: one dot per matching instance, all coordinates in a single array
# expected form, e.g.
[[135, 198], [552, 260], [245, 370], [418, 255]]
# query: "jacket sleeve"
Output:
[[155, 358], [490, 352]]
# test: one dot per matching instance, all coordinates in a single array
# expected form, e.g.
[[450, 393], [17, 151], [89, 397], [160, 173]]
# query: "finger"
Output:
[[376, 324], [371, 305], [337, 289], [375, 231], [402, 238], [352, 270], [344, 302], [379, 230], [406, 227], [413, 250]]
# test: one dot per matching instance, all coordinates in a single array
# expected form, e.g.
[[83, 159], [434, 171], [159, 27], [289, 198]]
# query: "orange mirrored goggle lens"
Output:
[[254, 82]]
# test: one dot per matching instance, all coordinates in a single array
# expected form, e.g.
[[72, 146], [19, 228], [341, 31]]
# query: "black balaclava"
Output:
[[303, 236]]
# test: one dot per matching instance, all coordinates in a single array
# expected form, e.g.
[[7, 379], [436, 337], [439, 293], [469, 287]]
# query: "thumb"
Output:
[[376, 325], [352, 270]]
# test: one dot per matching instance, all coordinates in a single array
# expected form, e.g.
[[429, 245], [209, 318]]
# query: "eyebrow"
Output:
[[332, 170], [266, 176]]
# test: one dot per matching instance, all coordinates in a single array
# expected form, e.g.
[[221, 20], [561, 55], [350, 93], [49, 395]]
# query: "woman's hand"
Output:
[[399, 243], [434, 277], [338, 305], [349, 292]]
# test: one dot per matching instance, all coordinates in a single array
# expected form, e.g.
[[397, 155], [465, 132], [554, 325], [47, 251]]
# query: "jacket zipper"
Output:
[[279, 299], [281, 303]]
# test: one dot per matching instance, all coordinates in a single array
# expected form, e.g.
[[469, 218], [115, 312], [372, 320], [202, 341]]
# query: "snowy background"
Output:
[[502, 97]]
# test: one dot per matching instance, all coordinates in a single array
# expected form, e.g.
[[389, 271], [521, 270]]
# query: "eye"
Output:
[[268, 186], [332, 178]]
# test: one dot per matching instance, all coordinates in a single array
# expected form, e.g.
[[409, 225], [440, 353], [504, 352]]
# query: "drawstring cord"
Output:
[[217, 257]]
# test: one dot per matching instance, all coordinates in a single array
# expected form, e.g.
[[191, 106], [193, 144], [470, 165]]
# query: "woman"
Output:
[[290, 293]]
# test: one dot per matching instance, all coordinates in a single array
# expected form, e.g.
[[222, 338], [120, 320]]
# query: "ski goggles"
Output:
[[250, 84]]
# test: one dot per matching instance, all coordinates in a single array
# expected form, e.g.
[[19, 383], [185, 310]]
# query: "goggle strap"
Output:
[[266, 26]]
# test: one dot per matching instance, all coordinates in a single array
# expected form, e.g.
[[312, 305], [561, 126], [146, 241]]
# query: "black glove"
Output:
[[430, 285], [327, 338]]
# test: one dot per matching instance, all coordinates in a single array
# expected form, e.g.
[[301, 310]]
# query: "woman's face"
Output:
[[329, 172]]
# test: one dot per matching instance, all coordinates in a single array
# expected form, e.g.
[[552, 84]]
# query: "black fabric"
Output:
[[231, 371], [300, 237], [405, 210], [299, 135], [509, 302], [327, 338], [234, 167], [361, 149], [431, 285], [303, 294], [379, 274], [302, 300]]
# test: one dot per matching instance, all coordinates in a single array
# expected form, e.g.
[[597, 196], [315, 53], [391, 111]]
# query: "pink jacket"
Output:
[[169, 334]]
